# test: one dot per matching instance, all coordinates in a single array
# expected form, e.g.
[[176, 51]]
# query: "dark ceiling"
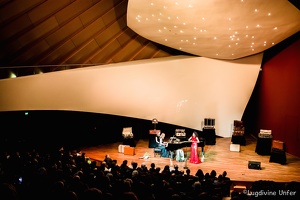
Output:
[[45, 36]]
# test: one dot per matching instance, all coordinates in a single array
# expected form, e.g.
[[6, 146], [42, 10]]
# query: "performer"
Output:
[[194, 158], [161, 144]]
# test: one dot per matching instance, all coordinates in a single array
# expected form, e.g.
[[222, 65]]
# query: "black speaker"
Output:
[[254, 165], [152, 141]]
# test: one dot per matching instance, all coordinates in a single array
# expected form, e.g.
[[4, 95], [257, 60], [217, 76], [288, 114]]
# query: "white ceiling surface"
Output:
[[218, 29], [180, 90]]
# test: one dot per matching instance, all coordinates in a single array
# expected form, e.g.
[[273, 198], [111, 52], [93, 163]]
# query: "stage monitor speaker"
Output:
[[254, 165]]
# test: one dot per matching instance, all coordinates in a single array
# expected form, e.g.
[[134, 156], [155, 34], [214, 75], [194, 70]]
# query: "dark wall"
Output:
[[47, 130], [275, 102]]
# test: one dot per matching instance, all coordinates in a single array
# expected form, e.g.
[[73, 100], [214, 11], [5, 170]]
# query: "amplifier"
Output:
[[209, 122], [238, 133], [129, 150], [263, 135], [277, 144], [254, 165], [262, 131]]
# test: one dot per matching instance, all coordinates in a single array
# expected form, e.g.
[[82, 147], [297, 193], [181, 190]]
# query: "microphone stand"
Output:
[[185, 158]]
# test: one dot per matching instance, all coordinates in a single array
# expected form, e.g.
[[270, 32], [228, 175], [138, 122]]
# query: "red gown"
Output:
[[194, 158]]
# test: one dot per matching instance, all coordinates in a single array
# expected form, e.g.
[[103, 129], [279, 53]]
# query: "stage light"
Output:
[[154, 122]]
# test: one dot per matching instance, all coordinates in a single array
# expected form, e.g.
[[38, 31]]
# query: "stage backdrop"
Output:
[[179, 90]]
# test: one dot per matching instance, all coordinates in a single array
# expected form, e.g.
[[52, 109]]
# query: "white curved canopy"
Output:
[[218, 29]]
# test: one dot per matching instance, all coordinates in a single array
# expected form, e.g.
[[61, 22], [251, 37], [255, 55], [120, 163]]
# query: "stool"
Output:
[[157, 152], [121, 148], [235, 147]]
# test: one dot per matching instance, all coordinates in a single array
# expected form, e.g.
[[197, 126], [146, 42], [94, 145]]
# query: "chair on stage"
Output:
[[180, 155], [157, 152]]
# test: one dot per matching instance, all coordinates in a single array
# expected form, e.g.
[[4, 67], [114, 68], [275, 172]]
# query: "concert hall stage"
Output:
[[217, 157]]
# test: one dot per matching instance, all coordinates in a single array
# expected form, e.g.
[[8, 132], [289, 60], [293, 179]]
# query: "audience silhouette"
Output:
[[70, 175]]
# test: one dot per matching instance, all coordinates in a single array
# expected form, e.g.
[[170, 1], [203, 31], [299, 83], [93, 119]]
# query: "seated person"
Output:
[[161, 144], [108, 160]]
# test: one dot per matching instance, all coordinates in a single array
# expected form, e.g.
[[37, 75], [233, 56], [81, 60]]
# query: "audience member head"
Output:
[[92, 194], [220, 178], [134, 165], [213, 173], [206, 176], [8, 191], [129, 196], [176, 197], [200, 174], [127, 184], [70, 195], [152, 165], [188, 171], [195, 134], [157, 169]]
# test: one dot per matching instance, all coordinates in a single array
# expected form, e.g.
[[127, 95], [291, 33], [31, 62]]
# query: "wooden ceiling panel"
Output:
[[64, 33], [38, 32], [83, 54], [126, 37], [71, 11], [110, 33], [147, 51], [105, 56], [116, 13], [88, 32], [96, 11], [10, 31], [30, 56], [161, 53], [63, 53], [132, 48], [55, 35], [30, 39], [56, 55], [14, 9], [46, 9], [56, 39]]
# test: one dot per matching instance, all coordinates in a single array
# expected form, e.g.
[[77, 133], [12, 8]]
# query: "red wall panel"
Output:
[[279, 97]]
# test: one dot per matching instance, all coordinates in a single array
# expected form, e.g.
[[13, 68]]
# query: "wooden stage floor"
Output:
[[217, 157]]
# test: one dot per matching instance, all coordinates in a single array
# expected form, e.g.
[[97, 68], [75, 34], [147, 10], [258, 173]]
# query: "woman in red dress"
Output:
[[194, 158]]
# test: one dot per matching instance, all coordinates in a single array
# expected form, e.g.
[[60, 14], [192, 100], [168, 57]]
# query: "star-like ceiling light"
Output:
[[217, 29]]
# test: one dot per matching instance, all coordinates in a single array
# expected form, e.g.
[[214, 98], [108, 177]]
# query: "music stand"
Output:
[[186, 144]]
